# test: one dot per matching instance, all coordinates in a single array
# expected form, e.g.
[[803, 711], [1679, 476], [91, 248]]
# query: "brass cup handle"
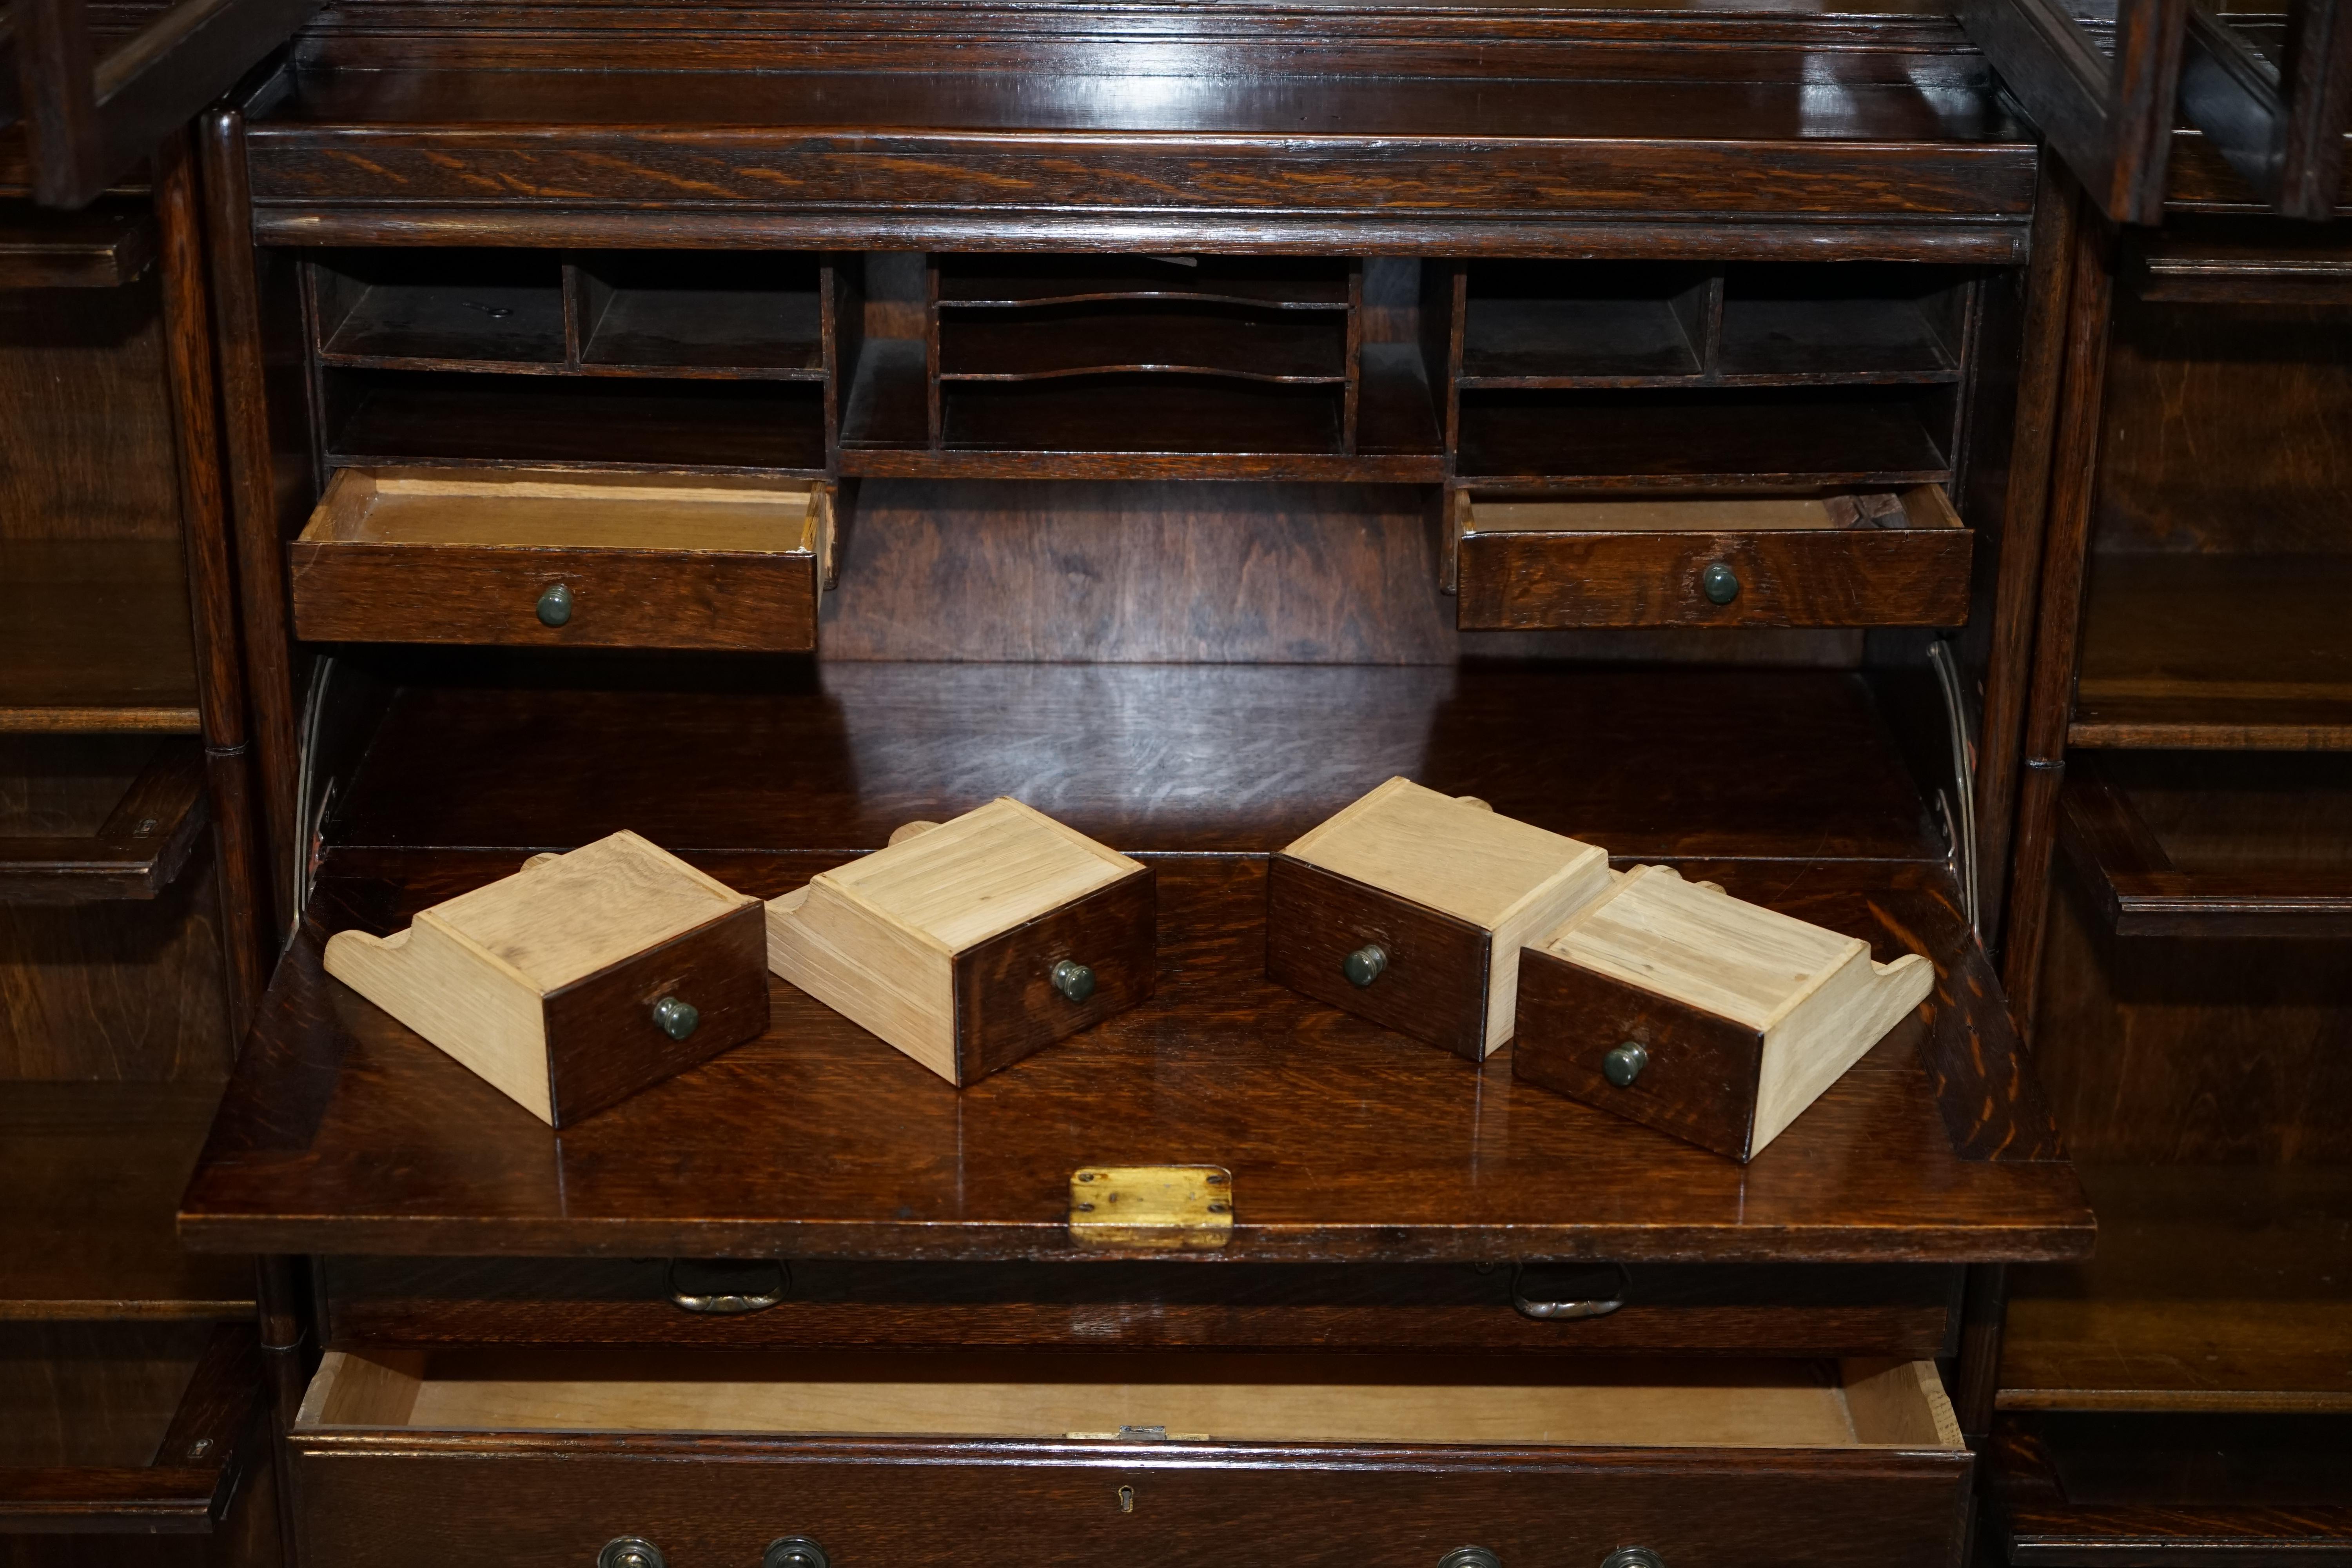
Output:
[[733, 1286], [631, 1551], [795, 1551], [1556, 1292]]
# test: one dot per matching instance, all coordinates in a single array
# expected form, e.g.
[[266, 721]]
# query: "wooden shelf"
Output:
[[2213, 843], [1827, 341], [395, 417], [707, 332], [2088, 1489], [1697, 439], [480, 309], [93, 1174], [1516, 341], [1013, 281], [102, 247], [1260, 346], [117, 828], [124, 1429], [2203, 650], [2214, 1288], [94, 637]]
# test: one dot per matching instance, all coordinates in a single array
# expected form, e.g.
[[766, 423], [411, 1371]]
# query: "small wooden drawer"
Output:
[[972, 944], [1873, 558], [579, 980], [1685, 1009], [1410, 907], [545, 558], [522, 1459]]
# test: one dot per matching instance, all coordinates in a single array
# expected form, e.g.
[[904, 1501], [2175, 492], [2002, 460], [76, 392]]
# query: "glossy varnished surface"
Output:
[[1790, 766], [343, 1132]]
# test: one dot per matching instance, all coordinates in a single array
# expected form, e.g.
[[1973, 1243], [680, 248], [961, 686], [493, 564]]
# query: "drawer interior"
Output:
[[1913, 507], [555, 509], [1485, 1400]]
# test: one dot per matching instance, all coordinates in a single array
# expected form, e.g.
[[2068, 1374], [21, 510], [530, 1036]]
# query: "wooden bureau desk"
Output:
[[1170, 377]]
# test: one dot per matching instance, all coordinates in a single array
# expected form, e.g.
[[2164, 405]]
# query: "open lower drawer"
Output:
[[1842, 558], [553, 558], [518, 1458]]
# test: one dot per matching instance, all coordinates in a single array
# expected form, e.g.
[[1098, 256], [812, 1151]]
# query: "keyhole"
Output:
[[1126, 1500]]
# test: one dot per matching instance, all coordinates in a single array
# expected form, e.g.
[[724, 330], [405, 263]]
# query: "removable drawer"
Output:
[[1848, 558], [547, 558], [520, 1458]]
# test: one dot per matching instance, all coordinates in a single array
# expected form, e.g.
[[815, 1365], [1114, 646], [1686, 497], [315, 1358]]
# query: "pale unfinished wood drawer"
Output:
[[520, 1459], [541, 558], [1868, 558]]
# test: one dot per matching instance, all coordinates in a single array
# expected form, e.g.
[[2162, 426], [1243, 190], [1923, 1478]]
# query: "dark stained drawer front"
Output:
[[519, 1460], [552, 559], [1785, 1309], [1847, 559]]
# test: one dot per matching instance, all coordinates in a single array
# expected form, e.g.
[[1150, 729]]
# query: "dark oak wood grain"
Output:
[[2261, 1323], [1436, 966], [1346, 1140], [95, 1171], [1826, 577], [484, 594], [1699, 1085], [136, 852], [1006, 1007], [603, 1044], [1059, 1503], [94, 637], [1803, 1309], [145, 1431], [102, 247]]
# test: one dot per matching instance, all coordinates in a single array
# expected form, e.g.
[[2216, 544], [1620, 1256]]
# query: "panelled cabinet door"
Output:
[[2106, 110], [93, 107]]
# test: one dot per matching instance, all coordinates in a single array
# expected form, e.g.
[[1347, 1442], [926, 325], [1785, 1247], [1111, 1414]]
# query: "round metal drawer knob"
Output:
[[1074, 980], [795, 1551], [1623, 1065], [1632, 1557], [675, 1019], [1365, 964], [555, 606], [1469, 1557], [1719, 583], [631, 1551]]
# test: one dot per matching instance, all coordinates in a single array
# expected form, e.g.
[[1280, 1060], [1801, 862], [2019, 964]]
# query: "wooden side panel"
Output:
[[1434, 984], [602, 1044], [1844, 577], [456, 593], [1699, 1083], [1006, 1006]]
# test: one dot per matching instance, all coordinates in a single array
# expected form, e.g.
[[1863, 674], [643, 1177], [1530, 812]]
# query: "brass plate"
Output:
[[1151, 1208]]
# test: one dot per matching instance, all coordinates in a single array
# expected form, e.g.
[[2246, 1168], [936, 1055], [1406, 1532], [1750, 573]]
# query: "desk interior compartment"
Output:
[[424, 308], [557, 557], [1075, 1457], [749, 314], [1895, 556]]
